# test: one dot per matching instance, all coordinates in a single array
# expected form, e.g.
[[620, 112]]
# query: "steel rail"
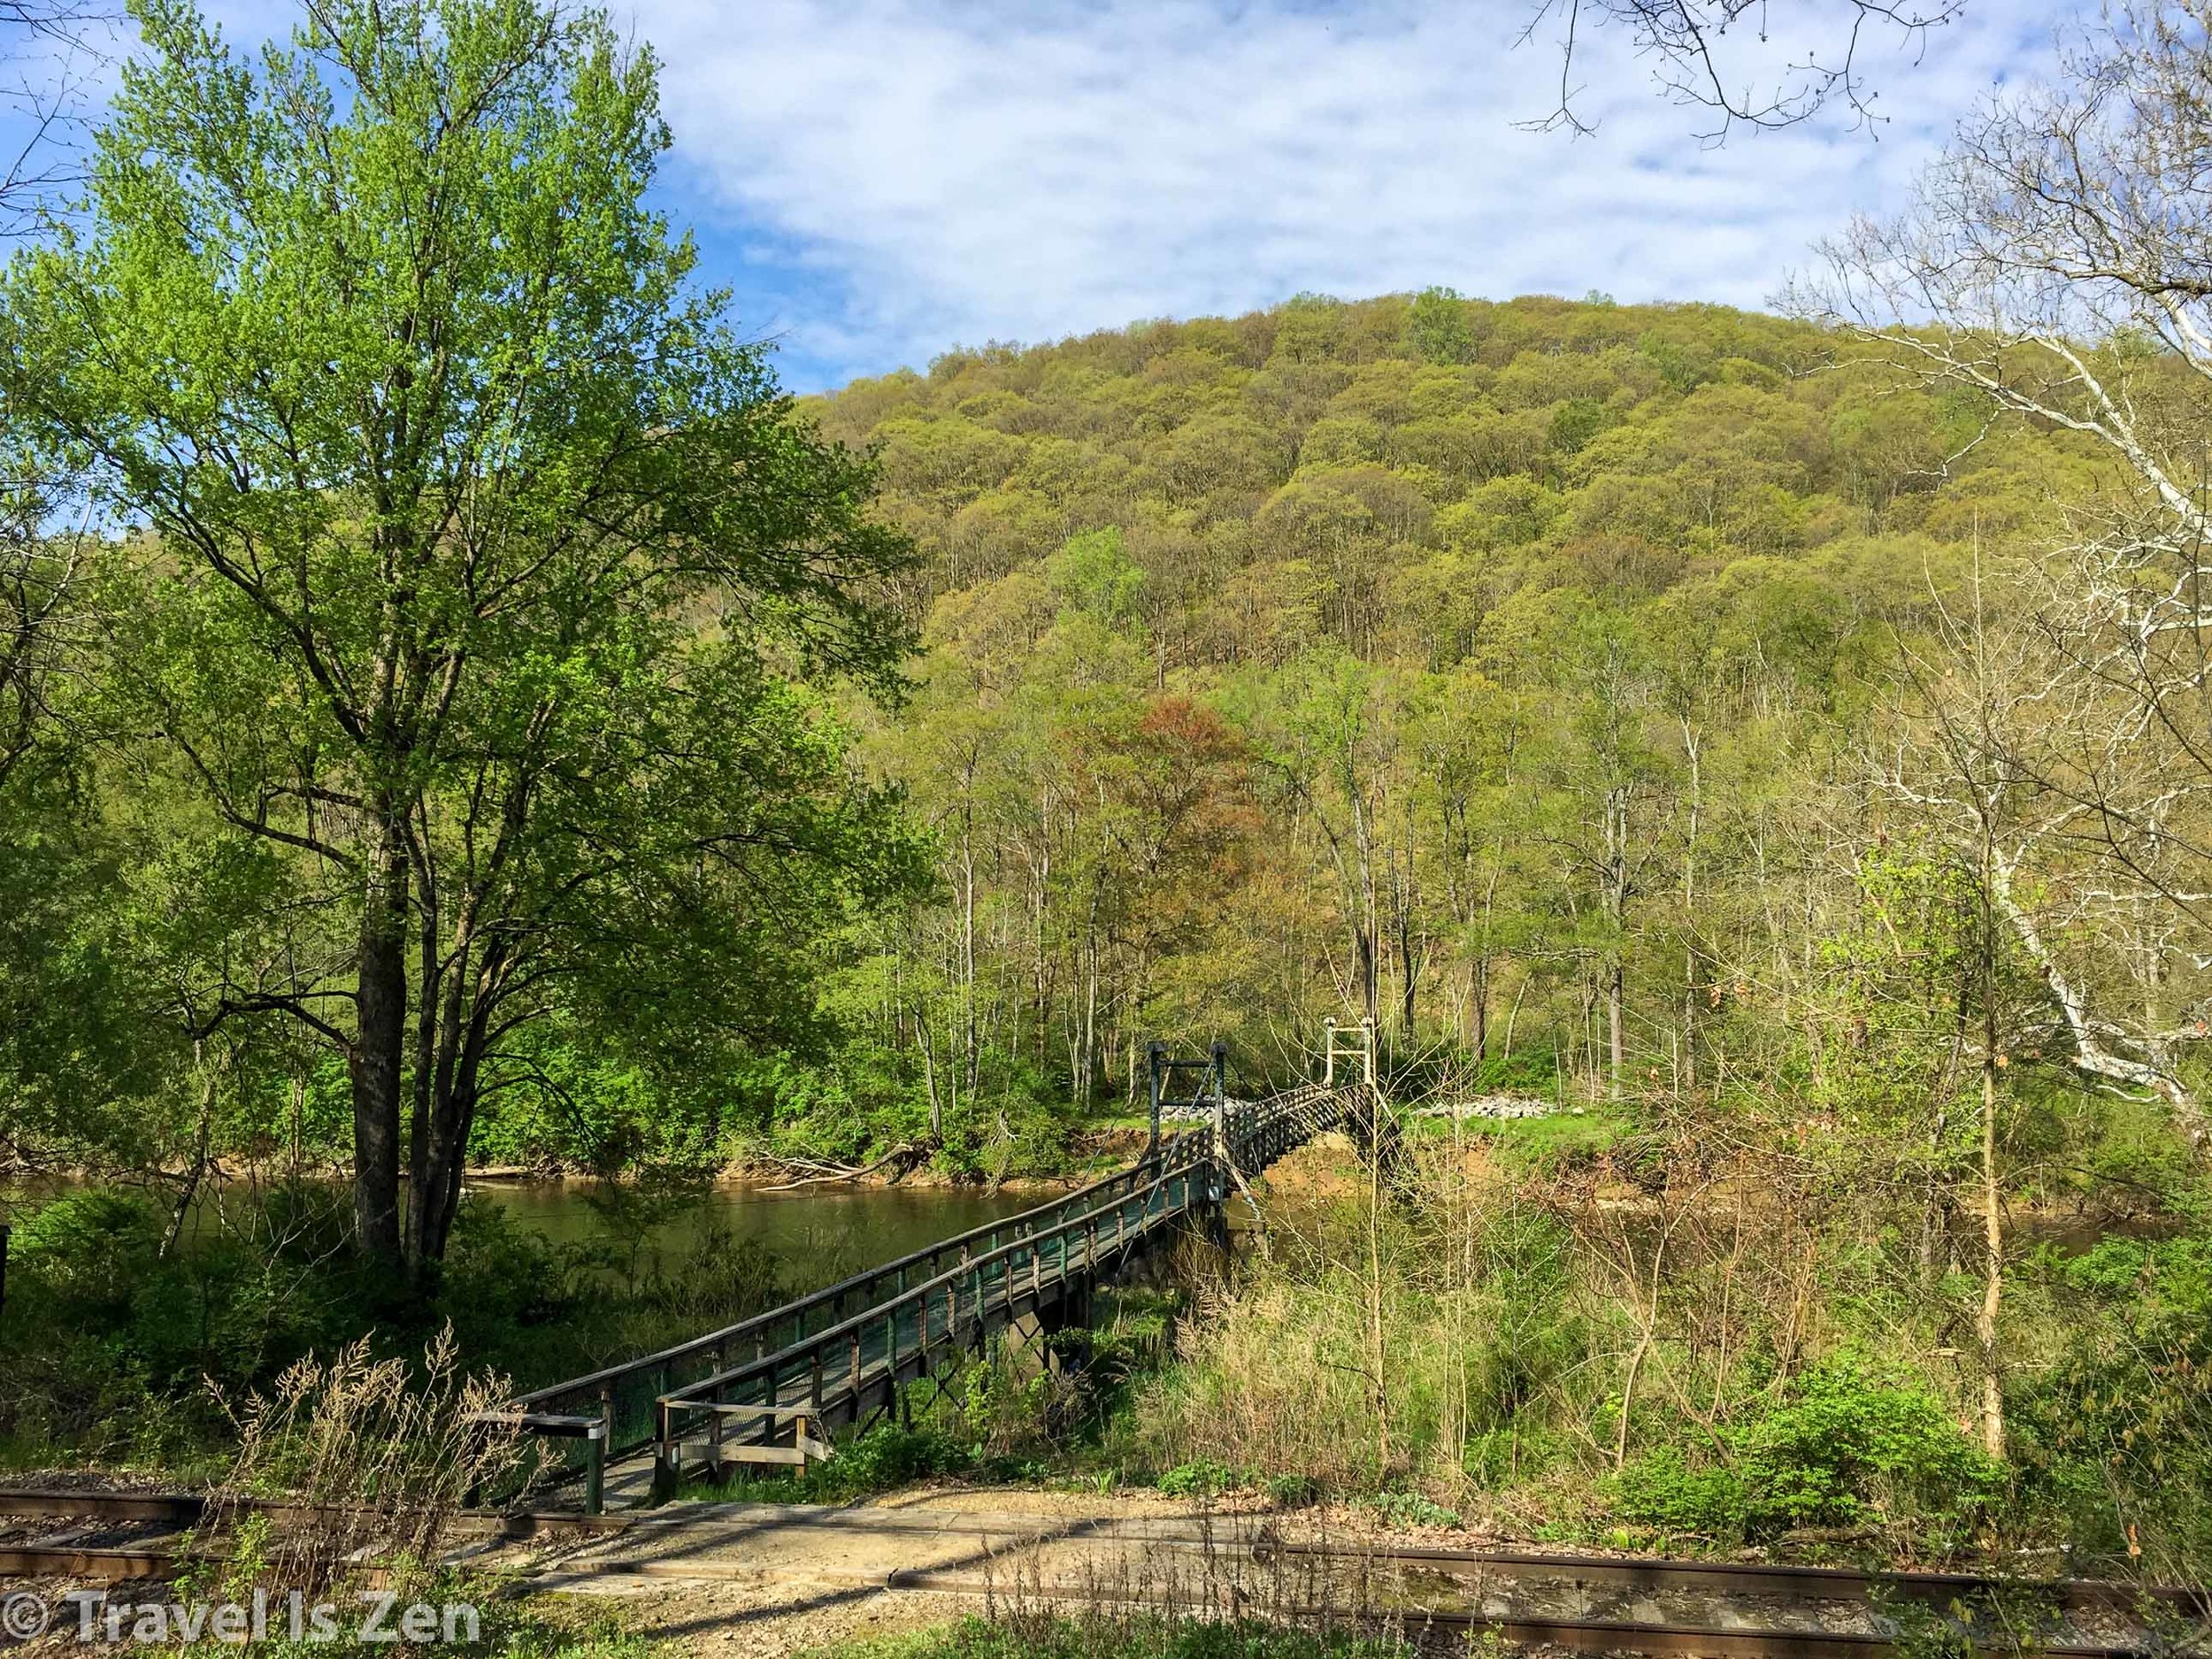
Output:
[[189, 1509], [1414, 1625], [1735, 1577], [1414, 1622], [101, 1564], [1811, 1583]]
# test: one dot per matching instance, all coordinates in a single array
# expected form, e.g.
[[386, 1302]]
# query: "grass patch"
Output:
[[1544, 1145]]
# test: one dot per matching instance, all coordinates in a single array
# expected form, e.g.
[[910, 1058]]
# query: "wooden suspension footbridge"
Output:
[[774, 1388]]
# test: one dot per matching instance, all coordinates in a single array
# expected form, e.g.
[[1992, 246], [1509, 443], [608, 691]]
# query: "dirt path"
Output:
[[733, 1579]]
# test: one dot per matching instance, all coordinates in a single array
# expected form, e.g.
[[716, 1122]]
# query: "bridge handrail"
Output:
[[799, 1308], [1164, 1168]]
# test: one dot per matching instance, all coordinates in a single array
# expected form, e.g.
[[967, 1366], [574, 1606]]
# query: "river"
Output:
[[818, 1234]]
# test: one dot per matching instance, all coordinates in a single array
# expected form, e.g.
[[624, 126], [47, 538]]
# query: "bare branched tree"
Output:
[[49, 52], [47, 55], [2010, 756], [1719, 55], [2058, 261], [42, 620]]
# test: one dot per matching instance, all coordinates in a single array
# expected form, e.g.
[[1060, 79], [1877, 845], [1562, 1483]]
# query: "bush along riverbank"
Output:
[[122, 1330]]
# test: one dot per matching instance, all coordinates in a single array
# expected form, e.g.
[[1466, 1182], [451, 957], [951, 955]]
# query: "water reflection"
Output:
[[817, 1235]]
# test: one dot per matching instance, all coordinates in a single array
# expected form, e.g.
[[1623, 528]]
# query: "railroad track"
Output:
[[87, 1559], [187, 1509], [1821, 1584]]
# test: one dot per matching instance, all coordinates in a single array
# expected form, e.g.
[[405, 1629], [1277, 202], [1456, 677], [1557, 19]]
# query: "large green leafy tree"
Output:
[[490, 575]]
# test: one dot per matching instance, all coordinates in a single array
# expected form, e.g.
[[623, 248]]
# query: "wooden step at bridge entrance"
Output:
[[776, 1387]]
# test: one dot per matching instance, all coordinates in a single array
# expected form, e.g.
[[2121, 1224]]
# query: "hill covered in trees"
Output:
[[1516, 674]]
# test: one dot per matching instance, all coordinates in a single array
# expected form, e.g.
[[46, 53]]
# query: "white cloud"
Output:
[[910, 174], [959, 170]]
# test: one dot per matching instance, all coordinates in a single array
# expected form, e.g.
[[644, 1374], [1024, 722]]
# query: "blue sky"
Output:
[[877, 180]]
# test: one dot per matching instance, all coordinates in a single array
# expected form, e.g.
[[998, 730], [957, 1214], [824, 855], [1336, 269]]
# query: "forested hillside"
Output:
[[1522, 675]]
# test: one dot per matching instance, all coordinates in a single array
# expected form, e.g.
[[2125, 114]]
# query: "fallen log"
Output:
[[906, 1157]]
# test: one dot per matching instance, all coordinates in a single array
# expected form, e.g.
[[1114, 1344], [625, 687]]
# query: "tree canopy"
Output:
[[480, 571]]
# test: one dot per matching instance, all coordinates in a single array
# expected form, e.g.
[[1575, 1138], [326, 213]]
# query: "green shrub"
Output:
[[86, 1251], [2116, 1434], [1410, 1509], [1845, 1441], [886, 1458], [890, 1455], [1844, 1447], [1203, 1479], [1664, 1490]]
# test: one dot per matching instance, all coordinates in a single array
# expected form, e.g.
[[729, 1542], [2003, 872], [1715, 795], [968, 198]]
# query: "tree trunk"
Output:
[[380, 1035], [1993, 1215], [1993, 1260], [1084, 1082], [433, 1203], [434, 1027], [1693, 746], [1364, 951], [437, 1153], [972, 1058], [1616, 901], [1366, 928], [1408, 961], [929, 1078], [1616, 1010], [182, 1213]]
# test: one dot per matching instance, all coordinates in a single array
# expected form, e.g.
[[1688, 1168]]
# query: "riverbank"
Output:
[[1090, 1152]]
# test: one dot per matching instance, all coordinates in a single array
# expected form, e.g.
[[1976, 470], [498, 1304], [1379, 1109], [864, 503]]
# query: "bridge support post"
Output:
[[666, 1454], [714, 1418], [595, 1472], [1156, 1061]]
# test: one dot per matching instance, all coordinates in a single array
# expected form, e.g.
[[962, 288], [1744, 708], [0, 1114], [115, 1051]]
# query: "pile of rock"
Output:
[[1490, 1106]]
